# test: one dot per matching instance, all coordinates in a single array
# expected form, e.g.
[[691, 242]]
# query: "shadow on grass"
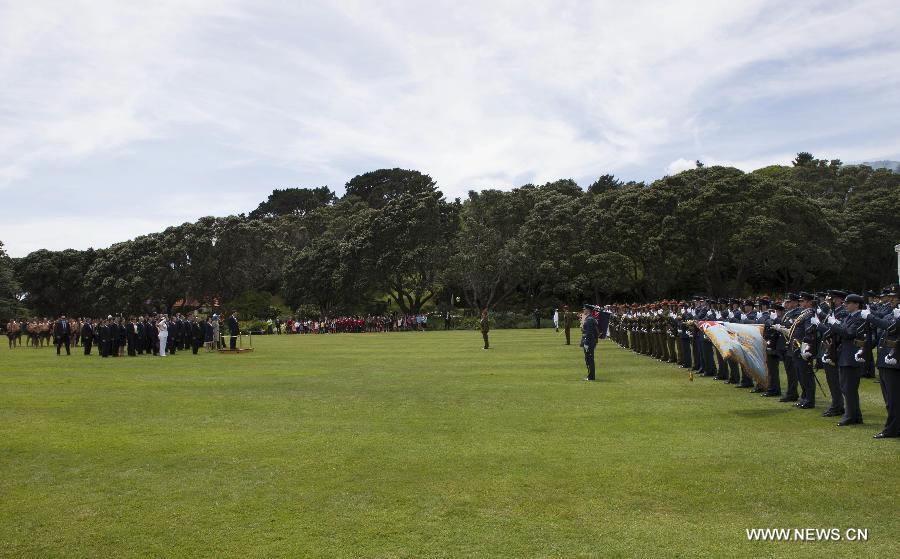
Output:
[[761, 412]]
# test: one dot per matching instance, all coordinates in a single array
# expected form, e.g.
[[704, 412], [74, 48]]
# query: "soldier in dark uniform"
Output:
[[684, 337], [792, 310], [485, 328], [869, 369], [567, 323], [750, 316], [774, 355], [720, 316], [707, 365], [734, 368], [829, 348], [887, 320], [589, 336], [850, 361], [803, 333], [672, 339]]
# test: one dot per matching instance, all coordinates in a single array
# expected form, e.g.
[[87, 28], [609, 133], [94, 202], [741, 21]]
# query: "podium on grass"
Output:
[[241, 348]]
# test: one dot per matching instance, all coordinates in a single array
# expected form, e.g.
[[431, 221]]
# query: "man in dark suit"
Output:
[[131, 337], [103, 335], [233, 329], [197, 334], [61, 333], [87, 336], [140, 335], [589, 336], [112, 337], [850, 331]]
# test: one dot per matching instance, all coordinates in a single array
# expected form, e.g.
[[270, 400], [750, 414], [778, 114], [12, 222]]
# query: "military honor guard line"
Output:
[[834, 331]]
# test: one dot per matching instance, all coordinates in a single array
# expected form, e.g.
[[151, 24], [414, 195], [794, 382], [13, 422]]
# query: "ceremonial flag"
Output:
[[743, 343], [603, 323]]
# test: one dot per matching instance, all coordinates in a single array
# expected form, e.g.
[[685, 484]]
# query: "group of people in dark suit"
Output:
[[846, 335], [156, 334]]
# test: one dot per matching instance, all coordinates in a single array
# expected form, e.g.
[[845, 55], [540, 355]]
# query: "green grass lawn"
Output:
[[423, 445]]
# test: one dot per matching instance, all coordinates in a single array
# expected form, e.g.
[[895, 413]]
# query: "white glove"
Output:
[[890, 360], [865, 313], [804, 351], [718, 315], [730, 314], [832, 320], [815, 320], [774, 315], [897, 312], [859, 357]]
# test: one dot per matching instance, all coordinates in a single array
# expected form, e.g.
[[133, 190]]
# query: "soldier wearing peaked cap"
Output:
[[802, 346], [589, 336], [774, 353], [751, 316], [887, 320], [829, 348], [851, 333], [791, 312]]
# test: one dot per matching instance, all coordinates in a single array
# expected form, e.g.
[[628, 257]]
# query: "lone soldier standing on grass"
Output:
[[485, 327], [589, 335], [567, 324]]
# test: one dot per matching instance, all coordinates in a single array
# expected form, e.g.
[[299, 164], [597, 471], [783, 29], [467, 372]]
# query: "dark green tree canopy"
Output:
[[294, 201], [377, 188], [394, 238]]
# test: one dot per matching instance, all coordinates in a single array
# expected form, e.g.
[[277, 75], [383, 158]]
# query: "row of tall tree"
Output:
[[394, 238]]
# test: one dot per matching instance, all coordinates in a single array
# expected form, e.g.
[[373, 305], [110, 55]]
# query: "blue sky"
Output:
[[122, 118]]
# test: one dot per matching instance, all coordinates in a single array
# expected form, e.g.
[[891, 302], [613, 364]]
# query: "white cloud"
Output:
[[474, 93], [679, 165]]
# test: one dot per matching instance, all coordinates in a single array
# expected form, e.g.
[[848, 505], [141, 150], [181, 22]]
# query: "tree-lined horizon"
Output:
[[394, 238]]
